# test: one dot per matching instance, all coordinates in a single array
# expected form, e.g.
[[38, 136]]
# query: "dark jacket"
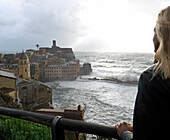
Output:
[[151, 114]]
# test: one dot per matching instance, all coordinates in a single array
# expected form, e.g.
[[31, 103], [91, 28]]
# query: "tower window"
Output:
[[24, 88]]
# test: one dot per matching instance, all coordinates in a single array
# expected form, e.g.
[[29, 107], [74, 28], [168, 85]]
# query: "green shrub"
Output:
[[18, 129]]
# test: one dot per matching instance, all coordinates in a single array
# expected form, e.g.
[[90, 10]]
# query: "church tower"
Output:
[[24, 66]]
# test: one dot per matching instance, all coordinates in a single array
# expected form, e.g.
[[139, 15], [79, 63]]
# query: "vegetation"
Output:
[[7, 100], [17, 129]]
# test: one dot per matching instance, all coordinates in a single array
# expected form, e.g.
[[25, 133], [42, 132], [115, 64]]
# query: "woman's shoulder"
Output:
[[148, 72], [148, 77], [150, 69]]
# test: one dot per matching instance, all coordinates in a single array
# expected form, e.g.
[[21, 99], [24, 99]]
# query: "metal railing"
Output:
[[59, 125]]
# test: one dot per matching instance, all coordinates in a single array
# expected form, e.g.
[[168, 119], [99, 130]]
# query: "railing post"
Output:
[[57, 129]]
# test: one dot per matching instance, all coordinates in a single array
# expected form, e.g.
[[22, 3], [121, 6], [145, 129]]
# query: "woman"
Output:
[[151, 114], [156, 46]]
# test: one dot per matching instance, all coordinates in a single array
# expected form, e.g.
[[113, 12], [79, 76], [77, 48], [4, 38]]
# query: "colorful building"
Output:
[[34, 95], [24, 66], [34, 71], [8, 84], [65, 71]]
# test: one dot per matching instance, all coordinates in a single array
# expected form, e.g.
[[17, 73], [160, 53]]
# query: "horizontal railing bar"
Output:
[[89, 128], [68, 124], [27, 115]]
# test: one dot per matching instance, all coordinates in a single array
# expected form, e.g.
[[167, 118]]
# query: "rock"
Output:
[[86, 69]]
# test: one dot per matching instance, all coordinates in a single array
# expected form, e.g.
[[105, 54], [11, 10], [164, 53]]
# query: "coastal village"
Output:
[[22, 75]]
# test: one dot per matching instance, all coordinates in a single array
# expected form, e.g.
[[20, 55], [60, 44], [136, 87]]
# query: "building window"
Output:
[[41, 90], [25, 70], [24, 88], [41, 100]]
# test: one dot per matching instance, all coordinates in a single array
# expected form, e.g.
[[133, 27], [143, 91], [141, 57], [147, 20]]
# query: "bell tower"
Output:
[[24, 66]]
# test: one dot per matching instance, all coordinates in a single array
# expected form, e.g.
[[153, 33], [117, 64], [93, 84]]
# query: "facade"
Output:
[[24, 66], [29, 53], [66, 53], [34, 95], [59, 64], [34, 71], [43, 94], [8, 84], [65, 71], [1, 58], [9, 58], [13, 68]]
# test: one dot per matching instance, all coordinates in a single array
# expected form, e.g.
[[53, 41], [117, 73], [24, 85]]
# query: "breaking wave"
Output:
[[119, 76], [119, 80], [123, 79]]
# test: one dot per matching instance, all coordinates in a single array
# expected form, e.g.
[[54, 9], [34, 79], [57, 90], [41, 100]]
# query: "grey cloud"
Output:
[[28, 22], [5, 21], [37, 21], [10, 19], [56, 20]]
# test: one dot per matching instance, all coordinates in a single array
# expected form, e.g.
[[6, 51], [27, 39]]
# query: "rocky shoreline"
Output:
[[115, 80]]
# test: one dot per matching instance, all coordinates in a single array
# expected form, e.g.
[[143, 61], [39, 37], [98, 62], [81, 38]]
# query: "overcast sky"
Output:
[[84, 25]]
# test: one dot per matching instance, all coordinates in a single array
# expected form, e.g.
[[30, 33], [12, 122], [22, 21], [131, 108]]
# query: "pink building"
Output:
[[65, 71]]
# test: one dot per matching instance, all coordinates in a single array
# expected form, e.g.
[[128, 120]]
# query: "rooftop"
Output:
[[23, 56], [7, 74]]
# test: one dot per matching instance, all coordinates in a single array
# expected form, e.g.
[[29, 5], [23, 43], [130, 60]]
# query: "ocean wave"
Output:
[[99, 65], [106, 61], [134, 82], [106, 65], [124, 76], [121, 80]]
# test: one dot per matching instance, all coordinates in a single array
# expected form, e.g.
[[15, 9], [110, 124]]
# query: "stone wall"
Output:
[[43, 94], [34, 95]]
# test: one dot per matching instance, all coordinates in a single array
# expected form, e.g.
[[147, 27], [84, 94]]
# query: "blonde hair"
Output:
[[163, 52]]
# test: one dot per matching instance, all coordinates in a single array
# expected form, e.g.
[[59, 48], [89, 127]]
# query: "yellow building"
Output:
[[35, 72], [8, 84], [24, 66]]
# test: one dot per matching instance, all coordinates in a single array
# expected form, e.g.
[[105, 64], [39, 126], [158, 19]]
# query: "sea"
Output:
[[108, 93]]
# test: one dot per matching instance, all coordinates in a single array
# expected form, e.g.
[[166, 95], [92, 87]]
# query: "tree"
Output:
[[37, 46]]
